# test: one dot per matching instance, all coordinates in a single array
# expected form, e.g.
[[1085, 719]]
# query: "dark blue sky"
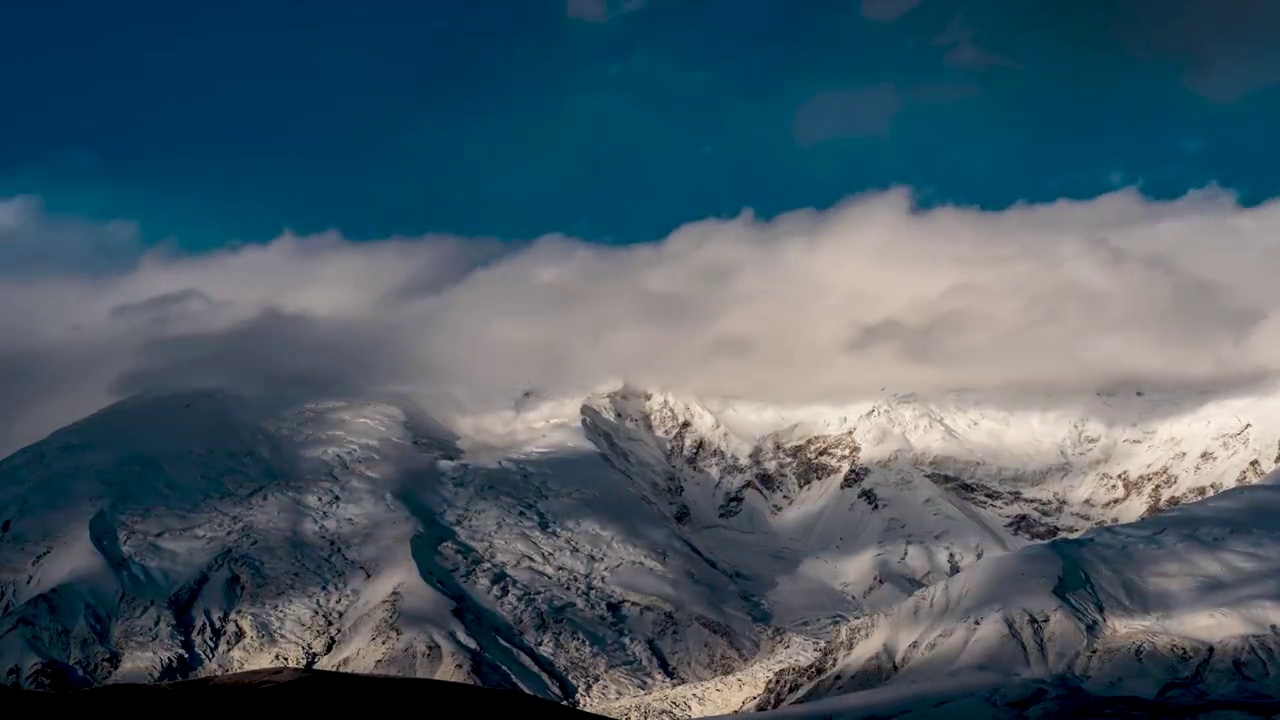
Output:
[[618, 120]]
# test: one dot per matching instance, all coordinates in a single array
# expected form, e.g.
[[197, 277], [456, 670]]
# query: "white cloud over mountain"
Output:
[[813, 306]]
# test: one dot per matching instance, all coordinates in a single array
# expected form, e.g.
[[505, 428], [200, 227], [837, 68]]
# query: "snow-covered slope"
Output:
[[185, 535], [587, 551], [832, 512], [1183, 605]]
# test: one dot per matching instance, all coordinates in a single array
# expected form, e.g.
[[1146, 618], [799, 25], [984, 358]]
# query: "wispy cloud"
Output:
[[813, 306], [868, 111], [599, 11], [963, 50], [885, 11], [1224, 50], [858, 112]]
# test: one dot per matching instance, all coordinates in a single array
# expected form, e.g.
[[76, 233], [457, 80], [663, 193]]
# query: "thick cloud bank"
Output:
[[814, 306]]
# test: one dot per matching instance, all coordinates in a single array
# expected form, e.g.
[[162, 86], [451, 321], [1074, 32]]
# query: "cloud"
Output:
[[963, 50], [33, 241], [1225, 51], [165, 308], [886, 11], [813, 306], [858, 112], [868, 111], [599, 11]]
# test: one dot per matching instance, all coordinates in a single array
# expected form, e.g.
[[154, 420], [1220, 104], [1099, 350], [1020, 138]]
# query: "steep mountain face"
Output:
[[183, 536], [595, 552], [1182, 606]]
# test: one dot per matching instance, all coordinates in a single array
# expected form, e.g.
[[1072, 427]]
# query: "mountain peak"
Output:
[[590, 550]]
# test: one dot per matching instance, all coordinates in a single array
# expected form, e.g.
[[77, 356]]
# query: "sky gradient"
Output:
[[618, 120]]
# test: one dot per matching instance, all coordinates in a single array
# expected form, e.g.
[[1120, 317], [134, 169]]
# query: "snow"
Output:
[[640, 552], [720, 695], [1125, 610]]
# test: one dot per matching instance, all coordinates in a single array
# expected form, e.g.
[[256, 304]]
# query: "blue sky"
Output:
[[617, 120]]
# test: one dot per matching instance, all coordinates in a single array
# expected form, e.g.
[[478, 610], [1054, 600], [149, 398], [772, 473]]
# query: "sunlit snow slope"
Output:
[[586, 551]]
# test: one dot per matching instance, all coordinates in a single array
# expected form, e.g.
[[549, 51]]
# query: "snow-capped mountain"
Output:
[[184, 535], [1184, 605], [598, 552], [860, 507]]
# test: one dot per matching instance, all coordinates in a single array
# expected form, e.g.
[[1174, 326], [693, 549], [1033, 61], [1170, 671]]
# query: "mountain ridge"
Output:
[[1178, 605], [594, 552]]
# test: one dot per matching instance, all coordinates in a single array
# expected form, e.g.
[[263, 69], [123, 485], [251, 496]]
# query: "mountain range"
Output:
[[639, 554]]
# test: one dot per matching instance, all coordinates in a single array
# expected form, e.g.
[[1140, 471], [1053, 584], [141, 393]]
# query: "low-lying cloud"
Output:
[[814, 306]]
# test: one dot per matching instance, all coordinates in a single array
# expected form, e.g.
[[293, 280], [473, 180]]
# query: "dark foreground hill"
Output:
[[318, 689], [305, 688]]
